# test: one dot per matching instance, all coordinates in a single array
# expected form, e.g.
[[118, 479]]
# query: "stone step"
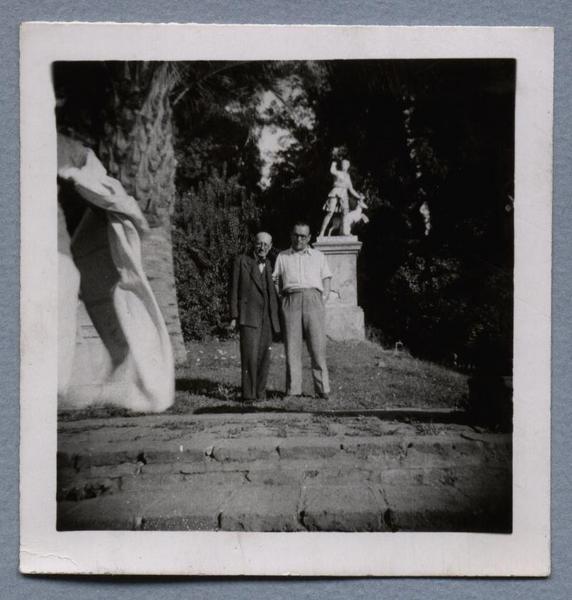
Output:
[[319, 499], [213, 452], [219, 439], [281, 473]]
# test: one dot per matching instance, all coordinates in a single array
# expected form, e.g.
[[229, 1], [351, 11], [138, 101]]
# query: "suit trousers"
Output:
[[255, 350], [304, 318]]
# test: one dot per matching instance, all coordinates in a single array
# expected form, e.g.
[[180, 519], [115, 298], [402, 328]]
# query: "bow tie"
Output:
[[260, 261]]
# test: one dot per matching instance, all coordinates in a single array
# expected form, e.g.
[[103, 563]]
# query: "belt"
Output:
[[291, 291]]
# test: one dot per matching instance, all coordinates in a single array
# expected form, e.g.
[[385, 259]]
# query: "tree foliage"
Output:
[[212, 223], [431, 143]]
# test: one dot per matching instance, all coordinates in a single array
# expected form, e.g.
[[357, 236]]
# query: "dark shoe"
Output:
[[323, 395]]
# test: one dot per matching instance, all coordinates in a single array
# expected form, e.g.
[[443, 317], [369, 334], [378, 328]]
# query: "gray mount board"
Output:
[[516, 13]]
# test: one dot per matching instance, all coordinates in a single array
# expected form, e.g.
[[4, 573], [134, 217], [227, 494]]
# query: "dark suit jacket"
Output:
[[246, 296]]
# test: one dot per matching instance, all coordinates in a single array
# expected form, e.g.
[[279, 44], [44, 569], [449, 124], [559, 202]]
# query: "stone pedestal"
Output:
[[344, 318]]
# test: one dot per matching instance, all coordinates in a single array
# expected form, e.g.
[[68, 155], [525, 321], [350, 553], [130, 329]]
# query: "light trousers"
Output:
[[304, 319]]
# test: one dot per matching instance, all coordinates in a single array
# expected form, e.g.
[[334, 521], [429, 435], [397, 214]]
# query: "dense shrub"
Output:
[[211, 224], [448, 311]]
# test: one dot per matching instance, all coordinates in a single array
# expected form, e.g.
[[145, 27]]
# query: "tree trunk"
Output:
[[158, 262], [138, 150]]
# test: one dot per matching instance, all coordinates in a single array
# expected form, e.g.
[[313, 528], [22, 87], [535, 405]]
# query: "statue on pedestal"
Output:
[[338, 215]]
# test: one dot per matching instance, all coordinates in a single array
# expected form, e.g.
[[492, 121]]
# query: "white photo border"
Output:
[[525, 552]]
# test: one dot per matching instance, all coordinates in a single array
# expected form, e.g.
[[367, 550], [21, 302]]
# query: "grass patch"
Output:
[[363, 376]]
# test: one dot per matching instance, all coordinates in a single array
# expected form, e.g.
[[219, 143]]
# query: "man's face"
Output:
[[262, 245], [300, 237]]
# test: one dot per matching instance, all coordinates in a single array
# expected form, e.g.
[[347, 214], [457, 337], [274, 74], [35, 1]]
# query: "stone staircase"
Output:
[[281, 472]]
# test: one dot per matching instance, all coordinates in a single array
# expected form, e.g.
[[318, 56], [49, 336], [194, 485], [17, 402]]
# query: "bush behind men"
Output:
[[302, 278]]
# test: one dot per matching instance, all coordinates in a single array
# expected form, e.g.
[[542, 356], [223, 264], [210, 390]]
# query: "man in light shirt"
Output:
[[303, 278]]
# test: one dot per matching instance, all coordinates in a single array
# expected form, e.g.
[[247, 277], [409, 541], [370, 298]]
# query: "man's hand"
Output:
[[232, 325], [327, 284]]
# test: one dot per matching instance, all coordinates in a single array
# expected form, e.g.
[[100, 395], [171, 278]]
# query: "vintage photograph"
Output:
[[285, 300], [285, 295]]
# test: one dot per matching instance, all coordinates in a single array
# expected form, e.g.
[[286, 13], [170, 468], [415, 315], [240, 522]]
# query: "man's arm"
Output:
[[277, 275], [327, 283], [326, 276], [234, 292]]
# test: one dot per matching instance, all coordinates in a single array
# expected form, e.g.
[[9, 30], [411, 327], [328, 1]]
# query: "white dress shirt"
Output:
[[301, 270]]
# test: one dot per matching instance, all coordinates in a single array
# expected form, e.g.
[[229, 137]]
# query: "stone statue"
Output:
[[128, 359], [337, 203]]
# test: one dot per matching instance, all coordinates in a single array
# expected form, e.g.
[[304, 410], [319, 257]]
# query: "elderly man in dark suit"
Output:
[[254, 305]]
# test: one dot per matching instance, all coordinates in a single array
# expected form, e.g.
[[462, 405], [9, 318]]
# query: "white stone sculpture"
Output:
[[338, 198], [343, 225], [127, 359]]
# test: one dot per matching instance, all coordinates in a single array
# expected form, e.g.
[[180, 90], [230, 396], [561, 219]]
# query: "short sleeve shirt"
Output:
[[301, 270]]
